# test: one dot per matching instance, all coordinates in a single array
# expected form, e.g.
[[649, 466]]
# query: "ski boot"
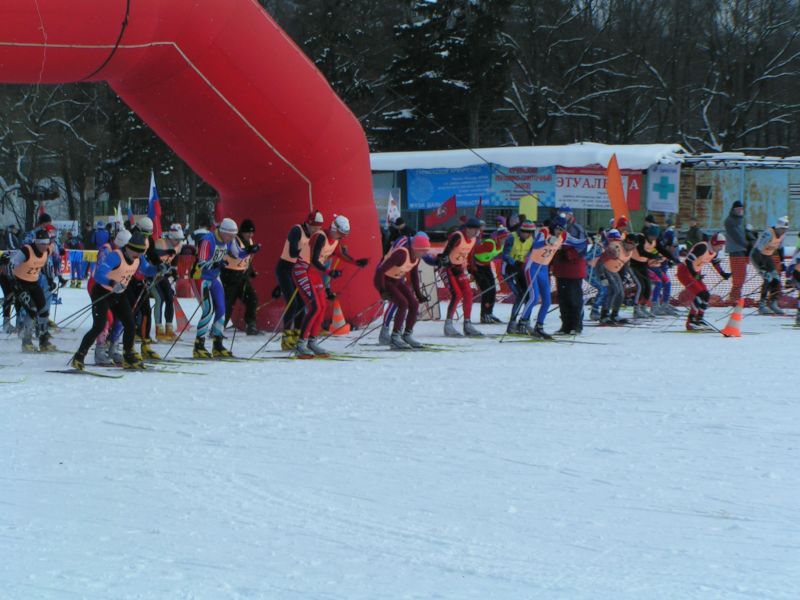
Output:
[[409, 339], [252, 329], [449, 330], [671, 310], [637, 312], [696, 323], [218, 350], [132, 361], [160, 331], [538, 332], [594, 315], [148, 353], [470, 330], [495, 320], [486, 320], [78, 283], [511, 328], [289, 339], [398, 343], [8, 327], [657, 310], [316, 348], [385, 336], [28, 347], [763, 309], [114, 353], [301, 349], [77, 362], [776, 310], [45, 345], [101, 355], [200, 349]]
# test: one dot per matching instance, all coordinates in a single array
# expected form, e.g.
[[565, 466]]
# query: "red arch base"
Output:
[[225, 87]]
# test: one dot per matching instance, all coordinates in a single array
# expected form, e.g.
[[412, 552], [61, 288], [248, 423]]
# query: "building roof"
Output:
[[583, 154], [740, 159]]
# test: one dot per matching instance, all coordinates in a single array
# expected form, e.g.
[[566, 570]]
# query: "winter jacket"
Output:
[[569, 262], [735, 238]]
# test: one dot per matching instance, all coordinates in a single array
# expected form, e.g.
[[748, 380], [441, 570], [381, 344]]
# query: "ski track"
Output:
[[654, 467]]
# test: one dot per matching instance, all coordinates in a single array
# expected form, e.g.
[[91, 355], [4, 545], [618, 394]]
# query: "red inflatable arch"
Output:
[[228, 90]]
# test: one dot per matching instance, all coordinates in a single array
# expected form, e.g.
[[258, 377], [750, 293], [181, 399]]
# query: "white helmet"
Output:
[[783, 223], [144, 224], [228, 226], [175, 232], [122, 238], [341, 224]]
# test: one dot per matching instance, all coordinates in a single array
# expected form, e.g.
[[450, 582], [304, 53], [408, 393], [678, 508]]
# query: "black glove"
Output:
[[726, 276], [362, 262], [276, 292], [385, 295], [5, 259], [423, 298], [62, 281], [252, 274], [173, 272], [443, 261], [334, 273], [329, 294], [255, 248], [51, 284]]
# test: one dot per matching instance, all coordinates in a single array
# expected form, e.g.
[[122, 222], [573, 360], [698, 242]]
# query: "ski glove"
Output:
[[276, 292], [329, 294], [443, 261], [423, 298], [362, 262], [255, 248], [118, 288], [163, 269], [385, 295], [726, 276], [334, 273]]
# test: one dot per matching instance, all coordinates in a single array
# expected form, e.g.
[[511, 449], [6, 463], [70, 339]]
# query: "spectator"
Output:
[[100, 235], [736, 247], [11, 238]]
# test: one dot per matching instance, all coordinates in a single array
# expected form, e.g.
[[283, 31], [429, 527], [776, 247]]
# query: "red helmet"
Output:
[[718, 239]]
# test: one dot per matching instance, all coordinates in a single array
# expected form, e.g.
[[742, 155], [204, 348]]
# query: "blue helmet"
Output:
[[613, 234], [559, 222]]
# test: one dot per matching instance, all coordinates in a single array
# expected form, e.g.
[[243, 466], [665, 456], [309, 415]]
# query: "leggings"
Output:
[[662, 285], [484, 277], [213, 302], [538, 277], [311, 290], [8, 295], [406, 303], [293, 314], [643, 285], [118, 304], [30, 298], [163, 296], [771, 288], [457, 281], [616, 292], [695, 290], [515, 278]]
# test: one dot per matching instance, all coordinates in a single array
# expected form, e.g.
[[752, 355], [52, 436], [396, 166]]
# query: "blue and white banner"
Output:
[[663, 184]]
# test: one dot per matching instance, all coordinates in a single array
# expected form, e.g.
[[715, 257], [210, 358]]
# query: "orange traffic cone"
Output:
[[338, 325], [734, 326]]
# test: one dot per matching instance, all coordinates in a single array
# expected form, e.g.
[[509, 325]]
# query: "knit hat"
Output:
[[44, 218], [473, 223], [622, 222], [528, 226], [613, 234], [421, 242], [737, 204], [315, 218], [175, 232], [247, 226], [145, 225], [228, 226], [341, 224], [782, 223], [137, 242], [718, 239], [122, 238], [500, 220]]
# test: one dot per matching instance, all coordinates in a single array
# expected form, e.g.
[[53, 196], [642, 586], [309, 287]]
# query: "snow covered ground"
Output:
[[657, 465]]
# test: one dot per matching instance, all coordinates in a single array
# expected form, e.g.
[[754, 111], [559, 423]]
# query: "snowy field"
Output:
[[645, 465]]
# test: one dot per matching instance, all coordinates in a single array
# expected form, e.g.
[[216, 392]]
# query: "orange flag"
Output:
[[616, 194]]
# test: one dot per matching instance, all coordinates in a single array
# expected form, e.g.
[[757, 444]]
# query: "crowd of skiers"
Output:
[[133, 268]]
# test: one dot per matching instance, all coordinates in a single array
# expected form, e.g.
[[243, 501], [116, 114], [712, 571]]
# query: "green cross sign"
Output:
[[664, 188]]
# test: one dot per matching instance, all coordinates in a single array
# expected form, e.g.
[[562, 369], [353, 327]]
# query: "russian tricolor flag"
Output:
[[154, 208]]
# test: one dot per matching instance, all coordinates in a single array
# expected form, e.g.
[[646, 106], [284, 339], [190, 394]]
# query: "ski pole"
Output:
[[278, 326], [524, 297], [80, 312], [185, 327]]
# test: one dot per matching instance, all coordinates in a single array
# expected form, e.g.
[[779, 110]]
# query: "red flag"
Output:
[[479, 210], [441, 215]]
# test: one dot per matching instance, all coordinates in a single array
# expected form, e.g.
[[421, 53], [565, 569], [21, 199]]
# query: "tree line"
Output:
[[712, 75]]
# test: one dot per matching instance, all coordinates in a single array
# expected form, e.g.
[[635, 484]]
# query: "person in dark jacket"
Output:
[[736, 246], [694, 235], [569, 269]]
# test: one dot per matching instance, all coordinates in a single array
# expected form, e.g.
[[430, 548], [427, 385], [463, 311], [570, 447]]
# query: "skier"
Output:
[[7, 284], [214, 248], [569, 268], [294, 248], [107, 350], [645, 256], [390, 281], [769, 245], [614, 259], [690, 275], [26, 267], [75, 248], [112, 276], [593, 254], [659, 274], [166, 249], [139, 289], [483, 254], [236, 275], [537, 271], [308, 278], [452, 263], [515, 254]]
